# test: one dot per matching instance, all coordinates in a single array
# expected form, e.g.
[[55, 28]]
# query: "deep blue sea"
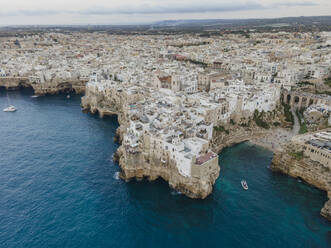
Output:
[[59, 188]]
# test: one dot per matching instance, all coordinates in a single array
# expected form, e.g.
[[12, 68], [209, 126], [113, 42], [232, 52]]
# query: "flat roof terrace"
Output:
[[206, 157]]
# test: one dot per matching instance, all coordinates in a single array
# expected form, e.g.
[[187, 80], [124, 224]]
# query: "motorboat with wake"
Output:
[[11, 108], [244, 184]]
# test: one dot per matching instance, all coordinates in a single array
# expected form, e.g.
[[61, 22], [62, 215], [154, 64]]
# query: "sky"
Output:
[[34, 12]]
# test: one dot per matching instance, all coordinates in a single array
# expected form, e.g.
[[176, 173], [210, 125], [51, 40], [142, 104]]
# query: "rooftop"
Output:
[[205, 157]]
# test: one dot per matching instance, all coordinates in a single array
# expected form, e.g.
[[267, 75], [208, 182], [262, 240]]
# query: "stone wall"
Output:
[[303, 100], [206, 169]]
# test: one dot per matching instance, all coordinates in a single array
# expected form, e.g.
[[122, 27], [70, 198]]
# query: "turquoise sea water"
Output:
[[58, 188]]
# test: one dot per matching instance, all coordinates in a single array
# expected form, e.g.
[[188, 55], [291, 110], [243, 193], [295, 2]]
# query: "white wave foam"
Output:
[[117, 175], [174, 192]]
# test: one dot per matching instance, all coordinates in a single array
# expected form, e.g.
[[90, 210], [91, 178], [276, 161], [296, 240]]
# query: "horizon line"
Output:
[[164, 20]]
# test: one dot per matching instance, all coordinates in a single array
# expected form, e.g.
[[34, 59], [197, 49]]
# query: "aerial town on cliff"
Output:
[[180, 99]]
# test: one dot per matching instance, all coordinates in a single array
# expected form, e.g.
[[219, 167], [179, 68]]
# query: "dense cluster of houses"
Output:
[[178, 88]]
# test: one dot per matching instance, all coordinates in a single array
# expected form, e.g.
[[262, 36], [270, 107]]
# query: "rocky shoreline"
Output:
[[142, 162], [143, 165], [310, 171], [52, 87]]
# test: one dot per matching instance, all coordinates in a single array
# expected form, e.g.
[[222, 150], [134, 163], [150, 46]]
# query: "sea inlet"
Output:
[[60, 188]]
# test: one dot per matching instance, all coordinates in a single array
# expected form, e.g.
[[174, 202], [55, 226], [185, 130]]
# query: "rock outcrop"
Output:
[[141, 165], [145, 160], [141, 162], [236, 135], [249, 130], [51, 87]]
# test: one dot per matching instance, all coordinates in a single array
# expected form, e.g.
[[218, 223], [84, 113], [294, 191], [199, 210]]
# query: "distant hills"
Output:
[[204, 26], [303, 20]]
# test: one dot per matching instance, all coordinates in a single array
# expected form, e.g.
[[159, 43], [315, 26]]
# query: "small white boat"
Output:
[[34, 96], [68, 96], [11, 108], [244, 184]]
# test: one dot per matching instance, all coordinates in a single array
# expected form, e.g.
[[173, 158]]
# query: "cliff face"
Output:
[[236, 135], [304, 168], [138, 164], [52, 87], [149, 159], [250, 129], [142, 162]]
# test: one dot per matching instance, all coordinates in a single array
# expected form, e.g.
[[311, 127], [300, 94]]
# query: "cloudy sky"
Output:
[[13, 12]]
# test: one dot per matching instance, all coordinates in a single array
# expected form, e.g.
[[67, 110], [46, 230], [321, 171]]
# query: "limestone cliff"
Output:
[[139, 164], [51, 87], [147, 161], [252, 128], [142, 162], [236, 135], [306, 169]]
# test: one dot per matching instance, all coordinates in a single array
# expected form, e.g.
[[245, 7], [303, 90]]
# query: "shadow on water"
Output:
[[21, 92], [147, 203], [164, 203]]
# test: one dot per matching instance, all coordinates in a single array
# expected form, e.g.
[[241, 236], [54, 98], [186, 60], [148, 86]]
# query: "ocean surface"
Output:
[[59, 188]]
